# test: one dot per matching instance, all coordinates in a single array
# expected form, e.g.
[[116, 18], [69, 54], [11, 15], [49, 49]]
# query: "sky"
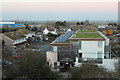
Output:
[[60, 11]]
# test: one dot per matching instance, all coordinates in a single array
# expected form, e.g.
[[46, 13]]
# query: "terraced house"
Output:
[[14, 40], [82, 46]]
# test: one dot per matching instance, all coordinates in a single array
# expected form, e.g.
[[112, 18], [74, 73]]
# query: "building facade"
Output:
[[14, 40], [84, 47], [10, 25]]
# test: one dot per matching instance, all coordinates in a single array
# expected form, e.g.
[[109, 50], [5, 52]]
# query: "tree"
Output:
[[61, 23], [0, 30], [109, 24], [26, 26], [77, 23], [118, 27], [64, 23], [35, 29], [57, 23], [3, 30], [32, 65], [82, 23], [91, 71], [112, 24]]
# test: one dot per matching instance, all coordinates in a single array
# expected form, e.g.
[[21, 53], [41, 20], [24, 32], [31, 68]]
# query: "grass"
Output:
[[87, 35]]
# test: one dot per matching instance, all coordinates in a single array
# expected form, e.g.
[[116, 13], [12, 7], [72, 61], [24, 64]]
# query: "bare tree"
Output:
[[32, 65], [91, 71]]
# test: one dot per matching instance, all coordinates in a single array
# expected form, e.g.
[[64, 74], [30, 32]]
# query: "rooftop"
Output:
[[85, 34], [81, 35], [17, 34], [7, 22], [63, 39], [67, 42]]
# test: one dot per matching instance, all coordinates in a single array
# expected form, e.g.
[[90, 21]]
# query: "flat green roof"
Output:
[[87, 34], [82, 34]]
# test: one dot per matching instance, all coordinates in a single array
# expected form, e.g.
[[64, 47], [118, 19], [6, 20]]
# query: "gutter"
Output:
[[7, 37]]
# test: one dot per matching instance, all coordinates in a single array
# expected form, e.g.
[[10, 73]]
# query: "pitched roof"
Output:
[[17, 34]]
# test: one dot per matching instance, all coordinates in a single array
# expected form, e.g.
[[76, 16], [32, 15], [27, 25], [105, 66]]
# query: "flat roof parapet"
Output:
[[87, 35]]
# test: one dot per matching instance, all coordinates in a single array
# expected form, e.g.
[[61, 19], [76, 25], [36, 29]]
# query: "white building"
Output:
[[69, 30], [45, 31], [10, 24], [29, 35], [88, 47], [95, 49], [52, 59], [54, 32], [15, 40]]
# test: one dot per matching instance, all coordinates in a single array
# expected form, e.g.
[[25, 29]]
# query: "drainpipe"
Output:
[[110, 54]]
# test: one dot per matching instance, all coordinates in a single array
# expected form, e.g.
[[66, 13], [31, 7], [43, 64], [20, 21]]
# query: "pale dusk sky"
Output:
[[70, 11]]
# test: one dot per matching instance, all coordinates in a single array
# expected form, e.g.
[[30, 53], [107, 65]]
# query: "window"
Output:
[[55, 48], [79, 45], [80, 55], [99, 43], [99, 54], [55, 65], [48, 63]]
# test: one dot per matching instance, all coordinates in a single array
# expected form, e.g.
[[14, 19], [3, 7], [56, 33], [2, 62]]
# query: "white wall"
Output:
[[109, 64], [19, 40], [45, 31], [107, 39], [28, 35], [7, 22], [51, 58], [55, 48], [76, 63], [90, 49]]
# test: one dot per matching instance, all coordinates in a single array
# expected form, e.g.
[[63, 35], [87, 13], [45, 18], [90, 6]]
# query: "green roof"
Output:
[[87, 34], [82, 34]]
